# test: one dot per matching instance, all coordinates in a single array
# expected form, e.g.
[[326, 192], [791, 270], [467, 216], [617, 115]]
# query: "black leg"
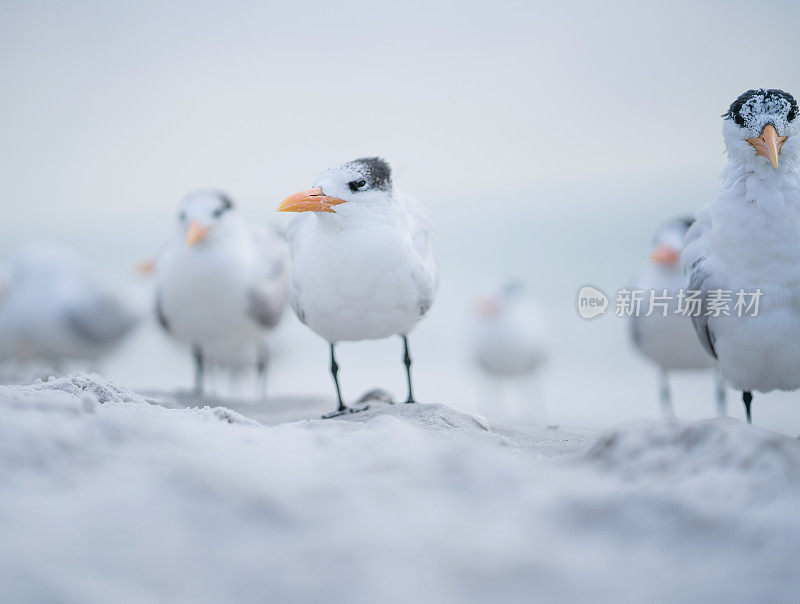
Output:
[[335, 374], [198, 370], [261, 370], [722, 406], [407, 363], [667, 412], [342, 409], [747, 398]]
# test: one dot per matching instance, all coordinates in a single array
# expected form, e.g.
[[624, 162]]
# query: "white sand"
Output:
[[106, 496]]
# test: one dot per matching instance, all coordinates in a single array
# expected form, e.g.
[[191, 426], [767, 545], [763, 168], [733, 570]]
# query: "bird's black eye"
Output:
[[182, 216], [355, 185]]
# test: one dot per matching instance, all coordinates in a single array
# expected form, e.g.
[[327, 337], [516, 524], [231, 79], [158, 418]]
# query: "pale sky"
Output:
[[113, 113]]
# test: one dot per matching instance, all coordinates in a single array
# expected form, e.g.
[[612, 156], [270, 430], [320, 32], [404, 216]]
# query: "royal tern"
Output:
[[746, 244], [362, 259], [509, 344], [55, 308], [660, 330], [509, 333], [220, 284]]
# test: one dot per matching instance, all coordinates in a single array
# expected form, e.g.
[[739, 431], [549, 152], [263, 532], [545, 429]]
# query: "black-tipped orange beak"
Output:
[[666, 255], [311, 200], [768, 144]]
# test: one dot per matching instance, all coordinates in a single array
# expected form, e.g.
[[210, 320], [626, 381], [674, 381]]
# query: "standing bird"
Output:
[[662, 333], [54, 308], [746, 244], [362, 259], [509, 341], [220, 284], [509, 333]]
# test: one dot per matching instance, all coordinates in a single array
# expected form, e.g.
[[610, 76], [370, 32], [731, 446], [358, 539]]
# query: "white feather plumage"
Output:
[[366, 271], [54, 308], [223, 293], [748, 239], [509, 334]]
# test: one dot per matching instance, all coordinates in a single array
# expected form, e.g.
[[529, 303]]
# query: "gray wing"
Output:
[[266, 298], [160, 315], [699, 281], [695, 242], [425, 275], [262, 308], [100, 320], [694, 258], [636, 335], [295, 297], [294, 234]]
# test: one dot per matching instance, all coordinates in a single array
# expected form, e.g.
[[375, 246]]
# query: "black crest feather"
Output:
[[225, 200], [734, 111], [687, 221], [377, 172]]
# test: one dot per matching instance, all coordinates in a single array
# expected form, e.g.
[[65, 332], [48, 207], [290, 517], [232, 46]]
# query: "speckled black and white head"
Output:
[[760, 127], [361, 182], [668, 241], [200, 214], [362, 175]]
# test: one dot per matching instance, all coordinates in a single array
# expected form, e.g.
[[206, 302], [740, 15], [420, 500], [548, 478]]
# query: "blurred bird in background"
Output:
[[748, 240], [659, 330], [362, 259], [509, 339], [221, 285], [54, 309]]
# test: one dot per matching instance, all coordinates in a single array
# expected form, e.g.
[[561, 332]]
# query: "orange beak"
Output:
[[146, 267], [196, 232], [487, 306], [666, 255], [311, 200], [768, 144]]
